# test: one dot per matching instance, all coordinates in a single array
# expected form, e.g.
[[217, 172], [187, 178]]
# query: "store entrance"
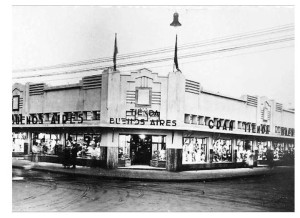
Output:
[[141, 149]]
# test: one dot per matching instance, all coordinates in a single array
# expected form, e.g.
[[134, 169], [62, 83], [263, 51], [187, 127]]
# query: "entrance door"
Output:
[[140, 149]]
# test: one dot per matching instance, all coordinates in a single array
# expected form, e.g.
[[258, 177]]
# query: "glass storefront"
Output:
[[124, 147], [244, 150], [140, 149], [88, 144], [222, 150], [278, 150], [18, 140], [159, 148], [194, 150], [262, 150], [47, 143]]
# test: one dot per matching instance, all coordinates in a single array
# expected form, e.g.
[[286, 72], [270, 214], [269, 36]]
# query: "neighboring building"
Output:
[[143, 118]]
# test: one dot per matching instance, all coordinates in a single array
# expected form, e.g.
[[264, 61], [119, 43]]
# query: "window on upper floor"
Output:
[[15, 102], [143, 96]]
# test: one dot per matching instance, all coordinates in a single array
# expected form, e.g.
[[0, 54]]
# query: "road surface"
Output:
[[41, 191]]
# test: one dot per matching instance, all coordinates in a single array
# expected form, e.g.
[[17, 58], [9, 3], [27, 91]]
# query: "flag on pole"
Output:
[[115, 53], [175, 56]]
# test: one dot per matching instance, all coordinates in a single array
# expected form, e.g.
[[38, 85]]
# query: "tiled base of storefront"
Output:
[[205, 166], [286, 162], [57, 159], [17, 154], [184, 167]]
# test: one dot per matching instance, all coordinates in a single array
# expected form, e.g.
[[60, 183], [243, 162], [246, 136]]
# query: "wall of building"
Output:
[[172, 96], [221, 107], [58, 100]]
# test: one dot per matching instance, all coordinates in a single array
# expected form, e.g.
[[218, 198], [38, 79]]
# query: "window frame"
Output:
[[18, 103], [137, 96]]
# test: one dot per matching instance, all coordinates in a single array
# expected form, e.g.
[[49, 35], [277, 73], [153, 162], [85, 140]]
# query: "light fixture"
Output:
[[142, 136]]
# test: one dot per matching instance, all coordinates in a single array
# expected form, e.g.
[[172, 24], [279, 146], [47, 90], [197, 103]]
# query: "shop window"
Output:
[[278, 150], [222, 150], [244, 150], [18, 140], [124, 147], [262, 150], [159, 148], [194, 150]]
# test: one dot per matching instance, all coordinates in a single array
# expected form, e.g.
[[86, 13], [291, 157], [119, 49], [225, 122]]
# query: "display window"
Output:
[[124, 147], [222, 150], [88, 144], [291, 148], [159, 148], [278, 150], [194, 150], [46, 142], [18, 140], [244, 150], [141, 149], [262, 150]]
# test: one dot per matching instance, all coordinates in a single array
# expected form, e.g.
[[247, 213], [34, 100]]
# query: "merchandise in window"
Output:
[[18, 140], [244, 150], [222, 150], [159, 148], [278, 150], [124, 147], [194, 150], [262, 150]]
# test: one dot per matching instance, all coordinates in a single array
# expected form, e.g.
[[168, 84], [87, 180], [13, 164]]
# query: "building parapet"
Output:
[[222, 95]]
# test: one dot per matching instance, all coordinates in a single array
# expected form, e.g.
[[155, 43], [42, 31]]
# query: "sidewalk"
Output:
[[150, 174]]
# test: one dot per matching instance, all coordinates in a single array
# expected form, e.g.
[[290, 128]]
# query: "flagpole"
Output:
[[115, 53], [175, 24]]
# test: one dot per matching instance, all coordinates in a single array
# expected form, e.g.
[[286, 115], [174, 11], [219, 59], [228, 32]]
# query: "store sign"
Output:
[[142, 112], [150, 122], [219, 125], [252, 127], [55, 119], [142, 116], [284, 131]]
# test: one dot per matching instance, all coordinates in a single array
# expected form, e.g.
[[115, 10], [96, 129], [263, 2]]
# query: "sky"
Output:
[[50, 35]]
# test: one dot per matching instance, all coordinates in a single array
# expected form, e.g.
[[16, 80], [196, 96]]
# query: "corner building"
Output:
[[142, 118]]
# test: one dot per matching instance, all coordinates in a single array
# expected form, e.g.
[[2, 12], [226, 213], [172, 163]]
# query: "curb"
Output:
[[128, 178]]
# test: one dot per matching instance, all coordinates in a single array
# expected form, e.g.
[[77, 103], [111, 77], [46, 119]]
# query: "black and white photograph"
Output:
[[152, 108]]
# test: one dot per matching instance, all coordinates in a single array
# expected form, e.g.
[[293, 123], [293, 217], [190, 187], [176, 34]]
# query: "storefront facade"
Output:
[[142, 118]]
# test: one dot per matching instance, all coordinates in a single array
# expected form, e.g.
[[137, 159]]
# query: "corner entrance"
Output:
[[139, 149]]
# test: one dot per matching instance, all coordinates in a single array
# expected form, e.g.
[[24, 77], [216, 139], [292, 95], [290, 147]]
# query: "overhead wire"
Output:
[[164, 59], [182, 63], [252, 34]]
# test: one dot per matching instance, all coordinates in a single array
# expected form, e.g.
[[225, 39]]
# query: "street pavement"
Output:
[[39, 191], [151, 174]]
